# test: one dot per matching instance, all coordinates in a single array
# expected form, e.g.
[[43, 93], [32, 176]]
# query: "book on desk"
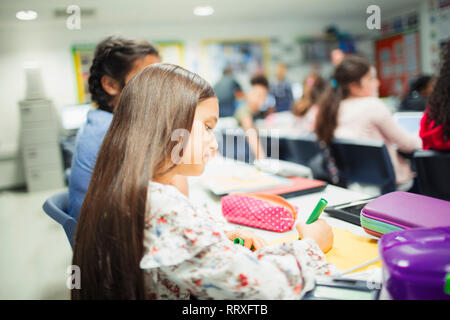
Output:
[[253, 180]]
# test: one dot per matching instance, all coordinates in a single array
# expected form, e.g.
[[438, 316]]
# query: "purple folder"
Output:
[[403, 210]]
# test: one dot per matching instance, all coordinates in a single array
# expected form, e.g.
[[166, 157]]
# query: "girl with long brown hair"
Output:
[[350, 108], [138, 237]]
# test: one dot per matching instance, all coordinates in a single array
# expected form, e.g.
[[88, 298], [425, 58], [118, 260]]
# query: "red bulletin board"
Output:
[[398, 62]]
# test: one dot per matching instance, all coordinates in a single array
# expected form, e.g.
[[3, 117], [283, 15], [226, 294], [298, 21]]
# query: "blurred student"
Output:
[[350, 108], [281, 89], [250, 109], [417, 96], [305, 110], [138, 237], [227, 90], [115, 62], [336, 56], [435, 123]]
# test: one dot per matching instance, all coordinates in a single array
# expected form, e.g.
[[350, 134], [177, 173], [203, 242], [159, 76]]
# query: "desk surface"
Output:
[[306, 203]]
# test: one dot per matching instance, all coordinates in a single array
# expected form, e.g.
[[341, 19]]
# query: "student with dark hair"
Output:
[[416, 99], [138, 237], [350, 108], [247, 112], [305, 110], [435, 124], [115, 62]]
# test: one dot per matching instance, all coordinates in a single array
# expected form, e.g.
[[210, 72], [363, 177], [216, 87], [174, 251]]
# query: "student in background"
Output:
[[350, 108], [250, 109], [228, 90], [138, 237], [336, 56], [305, 109], [435, 124], [416, 99], [281, 89], [115, 62]]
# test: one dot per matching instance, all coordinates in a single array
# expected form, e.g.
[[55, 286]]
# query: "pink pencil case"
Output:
[[257, 210]]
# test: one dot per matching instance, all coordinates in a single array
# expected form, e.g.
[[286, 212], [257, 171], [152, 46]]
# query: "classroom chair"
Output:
[[233, 144], [56, 208], [433, 173], [300, 150], [365, 163], [275, 147]]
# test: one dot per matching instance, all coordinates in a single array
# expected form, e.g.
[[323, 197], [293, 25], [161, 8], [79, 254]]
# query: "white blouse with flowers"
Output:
[[187, 253]]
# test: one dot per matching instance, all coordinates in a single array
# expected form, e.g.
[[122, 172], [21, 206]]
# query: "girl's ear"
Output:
[[110, 85]]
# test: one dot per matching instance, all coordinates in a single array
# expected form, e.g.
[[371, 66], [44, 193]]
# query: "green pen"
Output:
[[317, 211], [241, 242]]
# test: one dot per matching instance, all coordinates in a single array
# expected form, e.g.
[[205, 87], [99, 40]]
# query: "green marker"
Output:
[[241, 242], [317, 211], [447, 284]]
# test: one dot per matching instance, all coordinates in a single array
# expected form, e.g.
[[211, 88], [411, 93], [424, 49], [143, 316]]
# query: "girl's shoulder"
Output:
[[165, 195], [368, 102], [369, 107], [175, 230], [167, 200]]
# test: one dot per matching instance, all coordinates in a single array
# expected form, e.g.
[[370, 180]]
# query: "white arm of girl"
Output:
[[393, 132]]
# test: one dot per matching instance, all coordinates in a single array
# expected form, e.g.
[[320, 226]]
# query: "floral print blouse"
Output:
[[187, 253]]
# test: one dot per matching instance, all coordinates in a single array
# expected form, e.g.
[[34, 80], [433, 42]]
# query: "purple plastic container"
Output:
[[416, 263]]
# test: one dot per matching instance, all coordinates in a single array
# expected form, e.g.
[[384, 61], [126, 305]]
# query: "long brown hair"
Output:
[[109, 237], [313, 87], [350, 70]]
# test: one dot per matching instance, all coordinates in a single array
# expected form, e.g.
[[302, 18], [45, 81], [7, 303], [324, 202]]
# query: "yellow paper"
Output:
[[349, 250]]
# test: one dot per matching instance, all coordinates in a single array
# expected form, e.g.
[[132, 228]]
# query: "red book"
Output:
[[299, 186]]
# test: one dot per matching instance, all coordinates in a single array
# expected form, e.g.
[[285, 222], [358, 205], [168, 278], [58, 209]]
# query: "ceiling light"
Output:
[[26, 15], [203, 11]]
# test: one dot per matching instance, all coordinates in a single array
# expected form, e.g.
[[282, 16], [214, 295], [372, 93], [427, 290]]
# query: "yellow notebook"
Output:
[[349, 250]]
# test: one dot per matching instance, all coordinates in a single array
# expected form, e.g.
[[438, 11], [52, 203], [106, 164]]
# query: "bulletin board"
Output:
[[398, 62], [83, 55], [439, 19], [171, 52], [246, 57]]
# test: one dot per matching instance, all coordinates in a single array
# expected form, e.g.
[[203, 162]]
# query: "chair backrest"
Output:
[[365, 162], [233, 144], [433, 173], [274, 146], [56, 208], [301, 149]]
